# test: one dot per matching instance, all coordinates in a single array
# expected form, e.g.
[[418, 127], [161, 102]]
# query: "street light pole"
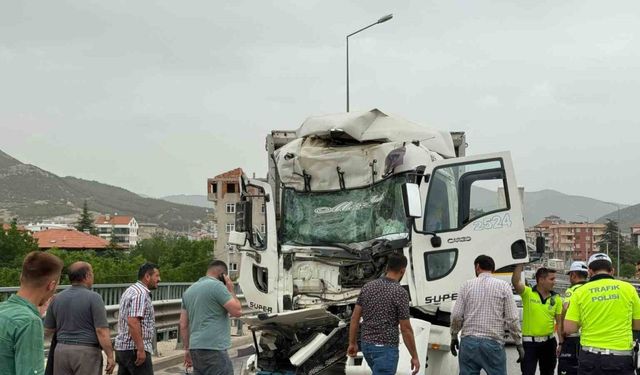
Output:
[[381, 20]]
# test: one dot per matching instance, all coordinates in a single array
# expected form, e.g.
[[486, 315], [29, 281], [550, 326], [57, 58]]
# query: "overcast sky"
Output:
[[156, 96]]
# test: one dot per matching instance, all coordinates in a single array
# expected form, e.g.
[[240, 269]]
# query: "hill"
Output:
[[190, 200], [628, 216], [32, 194], [539, 204]]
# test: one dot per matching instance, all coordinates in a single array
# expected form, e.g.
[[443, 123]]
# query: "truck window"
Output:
[[439, 264], [459, 194], [441, 209], [345, 216]]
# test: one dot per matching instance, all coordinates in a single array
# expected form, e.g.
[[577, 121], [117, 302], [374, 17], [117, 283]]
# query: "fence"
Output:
[[167, 300], [111, 292], [167, 314]]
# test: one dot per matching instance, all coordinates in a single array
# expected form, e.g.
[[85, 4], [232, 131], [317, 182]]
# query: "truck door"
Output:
[[256, 220], [473, 205]]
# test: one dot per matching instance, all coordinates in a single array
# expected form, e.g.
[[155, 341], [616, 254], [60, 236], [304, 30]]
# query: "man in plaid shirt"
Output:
[[136, 324], [484, 308]]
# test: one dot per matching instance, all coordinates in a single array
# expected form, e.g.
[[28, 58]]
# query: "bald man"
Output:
[[79, 319]]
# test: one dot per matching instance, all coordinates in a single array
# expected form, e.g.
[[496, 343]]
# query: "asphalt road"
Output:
[[238, 361], [512, 366]]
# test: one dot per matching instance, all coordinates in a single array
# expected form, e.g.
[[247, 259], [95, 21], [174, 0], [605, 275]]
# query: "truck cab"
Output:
[[343, 192]]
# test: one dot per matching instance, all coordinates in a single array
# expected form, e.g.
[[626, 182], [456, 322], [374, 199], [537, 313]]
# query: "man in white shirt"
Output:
[[485, 306]]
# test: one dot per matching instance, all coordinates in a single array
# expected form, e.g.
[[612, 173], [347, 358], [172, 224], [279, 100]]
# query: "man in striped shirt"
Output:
[[136, 324], [484, 308]]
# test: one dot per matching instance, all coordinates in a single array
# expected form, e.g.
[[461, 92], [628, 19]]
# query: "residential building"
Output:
[[123, 228], [543, 229], [45, 225], [635, 235], [570, 241], [68, 239], [223, 190]]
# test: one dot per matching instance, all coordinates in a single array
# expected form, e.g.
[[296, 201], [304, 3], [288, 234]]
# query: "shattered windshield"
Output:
[[344, 216]]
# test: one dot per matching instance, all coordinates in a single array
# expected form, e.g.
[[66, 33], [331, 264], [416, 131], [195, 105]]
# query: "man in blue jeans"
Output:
[[484, 308], [383, 304]]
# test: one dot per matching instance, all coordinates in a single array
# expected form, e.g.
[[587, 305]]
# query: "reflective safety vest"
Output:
[[566, 297], [604, 308], [538, 314]]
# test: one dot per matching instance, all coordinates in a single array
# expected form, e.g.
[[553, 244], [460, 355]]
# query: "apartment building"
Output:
[[571, 241], [635, 235], [224, 191], [543, 229], [46, 225], [123, 228]]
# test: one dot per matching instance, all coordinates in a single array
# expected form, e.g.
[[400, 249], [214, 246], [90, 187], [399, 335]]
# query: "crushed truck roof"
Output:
[[375, 125], [356, 149]]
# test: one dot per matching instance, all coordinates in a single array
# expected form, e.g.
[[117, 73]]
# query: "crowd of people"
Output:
[[76, 321], [586, 331]]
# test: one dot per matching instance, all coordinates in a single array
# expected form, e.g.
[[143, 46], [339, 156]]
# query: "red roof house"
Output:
[[113, 220], [69, 239], [232, 175]]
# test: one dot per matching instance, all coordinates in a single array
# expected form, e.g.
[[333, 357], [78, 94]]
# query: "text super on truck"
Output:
[[342, 193]]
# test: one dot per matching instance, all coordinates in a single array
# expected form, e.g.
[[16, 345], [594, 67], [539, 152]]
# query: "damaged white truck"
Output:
[[343, 192]]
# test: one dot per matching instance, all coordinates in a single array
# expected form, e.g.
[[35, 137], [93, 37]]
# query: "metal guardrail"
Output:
[[167, 300], [167, 314], [111, 292]]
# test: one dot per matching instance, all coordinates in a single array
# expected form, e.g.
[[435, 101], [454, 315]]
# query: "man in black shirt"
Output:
[[383, 304]]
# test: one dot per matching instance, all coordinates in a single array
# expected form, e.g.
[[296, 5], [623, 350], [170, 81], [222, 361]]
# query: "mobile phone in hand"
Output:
[[221, 278]]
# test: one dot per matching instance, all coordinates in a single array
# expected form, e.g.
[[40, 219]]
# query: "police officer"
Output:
[[541, 308], [606, 309], [570, 344]]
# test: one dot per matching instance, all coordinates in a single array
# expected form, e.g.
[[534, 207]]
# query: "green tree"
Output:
[[107, 268], [113, 241], [627, 270], [85, 221], [611, 236], [179, 258], [9, 277], [14, 245], [629, 256]]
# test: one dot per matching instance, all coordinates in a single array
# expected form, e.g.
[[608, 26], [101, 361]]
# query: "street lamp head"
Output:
[[385, 18], [381, 20]]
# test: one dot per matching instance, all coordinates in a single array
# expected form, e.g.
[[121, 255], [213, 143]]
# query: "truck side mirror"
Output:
[[243, 217], [540, 245], [237, 238], [411, 199]]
